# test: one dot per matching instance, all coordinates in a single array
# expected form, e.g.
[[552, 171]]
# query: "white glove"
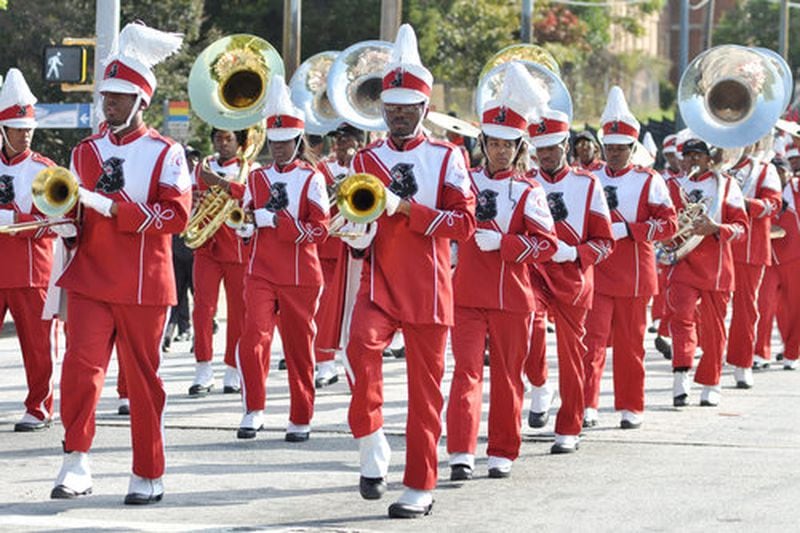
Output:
[[488, 240], [245, 231], [619, 230], [65, 231], [565, 253], [363, 241], [392, 202], [264, 218], [6, 216], [98, 202]]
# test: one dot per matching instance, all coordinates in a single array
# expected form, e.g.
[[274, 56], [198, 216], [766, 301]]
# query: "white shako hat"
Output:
[[405, 79], [136, 50], [505, 116], [548, 127], [670, 145], [792, 150], [284, 120], [16, 102], [618, 123]]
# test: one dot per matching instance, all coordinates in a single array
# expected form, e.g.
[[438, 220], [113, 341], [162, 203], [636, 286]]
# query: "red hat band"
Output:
[[121, 71], [285, 121], [403, 79], [504, 116], [547, 126], [17, 111], [617, 127]]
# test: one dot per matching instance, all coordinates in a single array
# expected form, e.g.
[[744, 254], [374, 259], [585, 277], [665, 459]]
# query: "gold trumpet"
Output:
[[55, 193], [361, 198], [227, 88]]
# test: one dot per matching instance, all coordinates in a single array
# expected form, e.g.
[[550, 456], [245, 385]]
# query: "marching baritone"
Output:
[[289, 207], [761, 188], [493, 296], [406, 281], [641, 212], [704, 274], [564, 285], [222, 258], [27, 255], [136, 192]]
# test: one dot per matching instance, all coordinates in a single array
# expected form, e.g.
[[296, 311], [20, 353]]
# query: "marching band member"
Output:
[[641, 212], [136, 192], [290, 213], [492, 288], [761, 188], [27, 255], [406, 281], [704, 274], [780, 291], [564, 284], [347, 140], [587, 152], [222, 258]]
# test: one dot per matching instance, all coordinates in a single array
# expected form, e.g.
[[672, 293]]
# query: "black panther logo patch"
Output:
[[542, 127], [23, 110], [501, 116], [555, 201], [695, 195], [113, 179], [403, 184], [397, 81], [278, 122], [112, 72], [486, 207], [611, 196], [6, 189], [278, 198]]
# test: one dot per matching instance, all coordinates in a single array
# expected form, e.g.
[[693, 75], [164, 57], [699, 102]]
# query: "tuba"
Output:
[[355, 82], [227, 89], [55, 193], [309, 90], [539, 63]]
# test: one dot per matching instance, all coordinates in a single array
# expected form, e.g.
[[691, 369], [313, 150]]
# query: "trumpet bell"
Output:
[[55, 191], [309, 89], [355, 83], [538, 62], [228, 81], [361, 198], [731, 96]]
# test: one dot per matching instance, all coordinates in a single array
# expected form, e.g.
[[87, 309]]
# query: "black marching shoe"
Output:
[[664, 347], [322, 382], [143, 491], [199, 391], [29, 423], [298, 436], [498, 473], [682, 400], [407, 510], [282, 364], [62, 492], [538, 420], [372, 488], [460, 473]]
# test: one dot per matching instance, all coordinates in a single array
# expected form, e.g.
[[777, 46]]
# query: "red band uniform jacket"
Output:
[[127, 259], [27, 255], [407, 269], [709, 266], [518, 209], [287, 255], [581, 217], [761, 188], [638, 197], [787, 249], [333, 173]]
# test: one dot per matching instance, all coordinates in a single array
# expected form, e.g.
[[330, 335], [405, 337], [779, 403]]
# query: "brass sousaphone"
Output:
[[227, 89], [309, 90]]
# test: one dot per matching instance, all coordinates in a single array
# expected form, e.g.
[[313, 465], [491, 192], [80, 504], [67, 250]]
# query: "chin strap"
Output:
[[417, 128], [5, 139], [134, 110]]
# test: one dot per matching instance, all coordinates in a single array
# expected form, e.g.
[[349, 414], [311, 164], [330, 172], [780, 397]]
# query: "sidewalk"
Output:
[[732, 468]]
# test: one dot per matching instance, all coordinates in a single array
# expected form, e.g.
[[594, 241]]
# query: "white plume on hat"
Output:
[[522, 94], [138, 48], [16, 101], [617, 113], [405, 58], [279, 104], [650, 144]]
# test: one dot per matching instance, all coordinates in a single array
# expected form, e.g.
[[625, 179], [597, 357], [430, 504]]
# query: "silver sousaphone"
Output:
[[309, 90]]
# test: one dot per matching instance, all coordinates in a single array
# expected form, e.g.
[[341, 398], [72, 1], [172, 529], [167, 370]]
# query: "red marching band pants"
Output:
[[26, 304], [372, 331], [690, 322], [297, 307], [92, 330], [620, 322], [329, 298], [569, 323], [509, 334], [207, 276], [742, 333], [780, 297]]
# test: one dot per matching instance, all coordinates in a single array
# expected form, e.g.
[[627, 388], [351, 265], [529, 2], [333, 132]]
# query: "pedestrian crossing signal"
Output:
[[64, 64]]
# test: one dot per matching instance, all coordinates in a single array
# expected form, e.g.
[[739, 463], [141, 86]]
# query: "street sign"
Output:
[[177, 120], [64, 64], [64, 116]]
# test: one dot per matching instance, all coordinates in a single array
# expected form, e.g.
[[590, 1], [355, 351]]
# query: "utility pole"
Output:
[[106, 29], [709, 24], [291, 36], [526, 29], [391, 17], [783, 30], [683, 56]]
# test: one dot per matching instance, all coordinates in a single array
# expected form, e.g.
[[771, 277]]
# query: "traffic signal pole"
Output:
[[107, 29]]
